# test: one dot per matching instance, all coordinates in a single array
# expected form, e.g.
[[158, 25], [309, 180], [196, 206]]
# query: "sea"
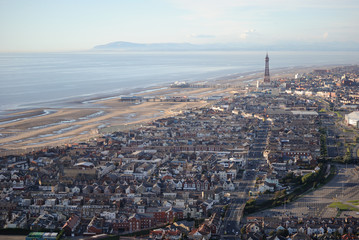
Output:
[[31, 80]]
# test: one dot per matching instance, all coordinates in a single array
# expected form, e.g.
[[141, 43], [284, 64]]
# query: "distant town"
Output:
[[276, 160]]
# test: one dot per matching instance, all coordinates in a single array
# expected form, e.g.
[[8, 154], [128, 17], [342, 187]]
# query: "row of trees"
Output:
[[301, 184], [323, 142]]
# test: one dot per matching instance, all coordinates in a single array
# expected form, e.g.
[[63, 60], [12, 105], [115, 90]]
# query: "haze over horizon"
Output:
[[41, 26]]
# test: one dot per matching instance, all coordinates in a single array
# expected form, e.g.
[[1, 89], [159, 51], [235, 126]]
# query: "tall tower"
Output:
[[266, 71]]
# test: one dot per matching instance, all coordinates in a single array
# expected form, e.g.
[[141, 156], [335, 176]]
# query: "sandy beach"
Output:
[[48, 127]]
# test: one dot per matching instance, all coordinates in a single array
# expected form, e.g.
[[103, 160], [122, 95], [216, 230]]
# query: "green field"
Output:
[[343, 206], [355, 202]]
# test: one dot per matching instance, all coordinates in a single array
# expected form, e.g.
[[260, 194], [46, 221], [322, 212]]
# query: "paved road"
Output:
[[12, 237], [231, 223], [230, 228]]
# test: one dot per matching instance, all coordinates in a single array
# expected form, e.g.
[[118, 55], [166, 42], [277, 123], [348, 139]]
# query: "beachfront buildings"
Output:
[[189, 166], [175, 168]]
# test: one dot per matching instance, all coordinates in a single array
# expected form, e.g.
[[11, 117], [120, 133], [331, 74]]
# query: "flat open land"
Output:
[[341, 191]]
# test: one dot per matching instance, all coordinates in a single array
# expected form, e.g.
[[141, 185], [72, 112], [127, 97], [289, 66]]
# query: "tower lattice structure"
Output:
[[266, 71]]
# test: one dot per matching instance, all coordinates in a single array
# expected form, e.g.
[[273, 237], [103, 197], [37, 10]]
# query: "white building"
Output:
[[228, 186], [352, 118], [108, 215]]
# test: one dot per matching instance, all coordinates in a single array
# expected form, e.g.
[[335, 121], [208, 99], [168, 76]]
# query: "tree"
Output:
[[282, 232], [308, 178], [279, 194], [348, 156]]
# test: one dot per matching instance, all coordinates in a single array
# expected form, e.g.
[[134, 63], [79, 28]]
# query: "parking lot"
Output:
[[342, 188]]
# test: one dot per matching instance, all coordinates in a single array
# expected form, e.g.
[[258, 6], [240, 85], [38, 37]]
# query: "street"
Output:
[[231, 225]]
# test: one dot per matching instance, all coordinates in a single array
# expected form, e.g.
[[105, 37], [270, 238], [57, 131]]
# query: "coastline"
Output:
[[35, 128]]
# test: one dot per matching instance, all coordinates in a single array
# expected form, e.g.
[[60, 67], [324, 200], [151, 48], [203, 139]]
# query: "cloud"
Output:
[[274, 20], [325, 35], [247, 34]]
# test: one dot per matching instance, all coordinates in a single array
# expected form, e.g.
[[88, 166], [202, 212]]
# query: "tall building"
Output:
[[266, 71]]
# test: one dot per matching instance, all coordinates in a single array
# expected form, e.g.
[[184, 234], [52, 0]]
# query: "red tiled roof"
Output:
[[72, 222]]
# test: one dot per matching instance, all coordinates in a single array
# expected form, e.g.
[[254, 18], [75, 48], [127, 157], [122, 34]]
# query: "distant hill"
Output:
[[244, 46]]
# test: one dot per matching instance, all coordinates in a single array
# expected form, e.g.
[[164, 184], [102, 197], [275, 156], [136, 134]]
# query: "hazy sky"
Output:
[[60, 25]]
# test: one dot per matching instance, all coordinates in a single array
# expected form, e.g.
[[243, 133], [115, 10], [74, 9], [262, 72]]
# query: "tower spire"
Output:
[[266, 70]]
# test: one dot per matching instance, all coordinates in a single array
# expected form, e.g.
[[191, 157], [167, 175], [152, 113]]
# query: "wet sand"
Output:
[[48, 127], [58, 126]]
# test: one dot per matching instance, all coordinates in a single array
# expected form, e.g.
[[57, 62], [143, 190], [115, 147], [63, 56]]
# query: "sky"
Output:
[[67, 25]]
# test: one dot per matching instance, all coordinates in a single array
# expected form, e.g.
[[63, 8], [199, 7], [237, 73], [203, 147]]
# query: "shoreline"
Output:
[[36, 128], [84, 100]]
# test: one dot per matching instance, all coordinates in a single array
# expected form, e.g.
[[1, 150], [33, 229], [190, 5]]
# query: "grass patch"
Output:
[[355, 202], [338, 114], [342, 206]]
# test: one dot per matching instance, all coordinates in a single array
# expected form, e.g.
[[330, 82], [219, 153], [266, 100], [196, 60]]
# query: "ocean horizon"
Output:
[[32, 80]]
